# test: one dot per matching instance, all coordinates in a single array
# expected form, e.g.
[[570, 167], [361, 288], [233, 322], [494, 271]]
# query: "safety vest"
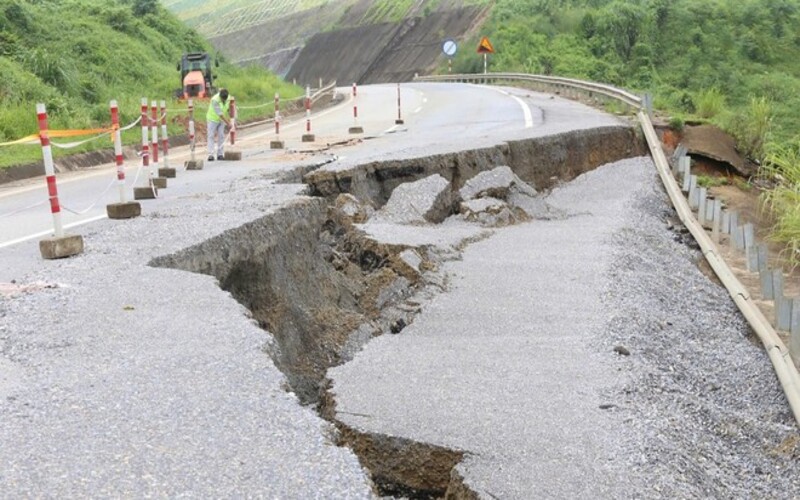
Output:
[[211, 115]]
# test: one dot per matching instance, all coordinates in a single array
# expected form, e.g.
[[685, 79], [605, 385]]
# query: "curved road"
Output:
[[118, 379], [435, 120]]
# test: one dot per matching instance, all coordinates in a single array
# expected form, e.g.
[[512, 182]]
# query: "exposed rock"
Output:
[[408, 264], [427, 200], [491, 212], [349, 210], [496, 183]]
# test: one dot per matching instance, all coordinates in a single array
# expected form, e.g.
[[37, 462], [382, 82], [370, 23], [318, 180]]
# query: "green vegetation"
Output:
[[709, 181], [77, 55], [782, 167]]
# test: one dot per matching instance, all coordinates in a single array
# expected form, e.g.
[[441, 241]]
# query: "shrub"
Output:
[[676, 123], [751, 129], [710, 103]]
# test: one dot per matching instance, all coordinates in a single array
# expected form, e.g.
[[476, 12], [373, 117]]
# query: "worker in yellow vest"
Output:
[[217, 117]]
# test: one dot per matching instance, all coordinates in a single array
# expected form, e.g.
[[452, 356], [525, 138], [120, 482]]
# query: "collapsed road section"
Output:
[[325, 275], [503, 355]]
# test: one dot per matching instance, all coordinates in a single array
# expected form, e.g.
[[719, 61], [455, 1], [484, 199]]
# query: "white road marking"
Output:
[[418, 110], [390, 129], [526, 110], [50, 232]]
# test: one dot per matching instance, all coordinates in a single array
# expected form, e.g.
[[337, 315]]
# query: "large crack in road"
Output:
[[323, 287]]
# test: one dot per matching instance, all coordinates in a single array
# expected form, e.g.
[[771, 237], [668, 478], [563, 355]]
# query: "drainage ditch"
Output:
[[323, 288]]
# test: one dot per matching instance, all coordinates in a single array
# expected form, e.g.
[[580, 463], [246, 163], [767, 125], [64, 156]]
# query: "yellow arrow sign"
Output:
[[485, 47]]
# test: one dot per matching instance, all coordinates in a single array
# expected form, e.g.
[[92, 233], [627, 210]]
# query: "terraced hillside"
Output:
[[346, 40]]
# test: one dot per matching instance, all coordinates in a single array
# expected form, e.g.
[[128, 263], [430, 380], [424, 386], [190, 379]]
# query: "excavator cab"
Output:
[[196, 77]]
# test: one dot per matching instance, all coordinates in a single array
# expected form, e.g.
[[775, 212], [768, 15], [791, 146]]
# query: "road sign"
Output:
[[449, 47], [485, 47]]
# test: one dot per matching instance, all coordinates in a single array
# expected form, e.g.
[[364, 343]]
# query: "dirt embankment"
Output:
[[380, 53]]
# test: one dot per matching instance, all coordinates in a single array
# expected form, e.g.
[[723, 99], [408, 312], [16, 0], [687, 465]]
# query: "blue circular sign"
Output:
[[449, 47]]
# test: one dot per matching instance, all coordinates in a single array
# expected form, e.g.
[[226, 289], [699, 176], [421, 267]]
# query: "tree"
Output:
[[144, 7]]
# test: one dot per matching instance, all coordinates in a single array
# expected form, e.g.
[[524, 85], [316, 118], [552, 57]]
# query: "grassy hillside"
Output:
[[77, 55]]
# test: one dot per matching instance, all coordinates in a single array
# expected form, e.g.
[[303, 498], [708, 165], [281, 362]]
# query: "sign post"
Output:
[[485, 48], [449, 47]]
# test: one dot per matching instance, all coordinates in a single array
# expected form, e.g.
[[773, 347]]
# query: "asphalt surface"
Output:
[[123, 380], [119, 379], [517, 366]]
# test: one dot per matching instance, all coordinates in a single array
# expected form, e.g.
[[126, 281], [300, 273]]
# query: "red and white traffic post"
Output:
[[308, 136], [399, 120], [154, 122], [118, 150], [277, 143], [192, 163], [165, 171], [158, 181], [148, 191], [277, 114], [232, 111], [60, 245], [355, 129], [123, 209], [49, 170]]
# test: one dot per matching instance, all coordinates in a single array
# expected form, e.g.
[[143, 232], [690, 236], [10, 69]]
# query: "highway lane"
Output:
[[434, 115]]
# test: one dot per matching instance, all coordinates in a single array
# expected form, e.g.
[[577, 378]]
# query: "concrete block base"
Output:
[[356, 130], [168, 173], [233, 155], [160, 182], [277, 145], [308, 138], [127, 210], [144, 193], [399, 122], [193, 165], [58, 248]]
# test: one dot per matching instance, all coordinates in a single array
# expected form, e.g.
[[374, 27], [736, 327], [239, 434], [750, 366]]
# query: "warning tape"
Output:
[[19, 210], [34, 138], [94, 203]]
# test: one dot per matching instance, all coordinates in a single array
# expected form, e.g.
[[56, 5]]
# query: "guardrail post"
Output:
[[794, 341], [717, 220], [647, 103], [687, 177], [767, 291], [694, 193], [750, 248], [702, 197], [60, 245], [148, 191], [123, 209], [726, 222]]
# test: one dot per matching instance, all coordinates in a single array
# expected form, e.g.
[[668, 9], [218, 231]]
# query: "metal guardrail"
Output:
[[782, 363], [591, 87]]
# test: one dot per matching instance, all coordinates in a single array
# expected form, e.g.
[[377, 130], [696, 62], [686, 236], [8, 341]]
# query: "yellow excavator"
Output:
[[197, 81]]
